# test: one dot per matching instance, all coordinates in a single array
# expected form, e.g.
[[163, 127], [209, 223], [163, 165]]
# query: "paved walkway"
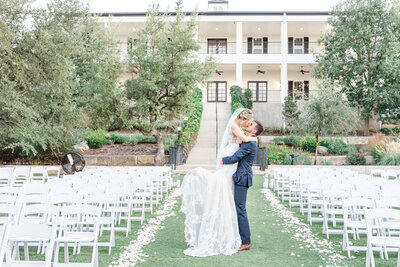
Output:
[[204, 151]]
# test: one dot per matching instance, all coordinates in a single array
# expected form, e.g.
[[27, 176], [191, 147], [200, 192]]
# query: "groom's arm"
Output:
[[245, 149]]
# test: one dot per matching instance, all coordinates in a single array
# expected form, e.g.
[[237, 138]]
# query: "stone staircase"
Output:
[[203, 154]]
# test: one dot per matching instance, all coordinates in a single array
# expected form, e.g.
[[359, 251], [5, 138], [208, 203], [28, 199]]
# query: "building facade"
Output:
[[271, 53]]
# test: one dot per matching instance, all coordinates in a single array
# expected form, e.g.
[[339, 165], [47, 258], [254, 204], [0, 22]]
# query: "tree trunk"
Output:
[[366, 126], [316, 150], [159, 159]]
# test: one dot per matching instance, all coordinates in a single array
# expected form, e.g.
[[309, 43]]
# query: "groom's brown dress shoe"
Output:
[[244, 247]]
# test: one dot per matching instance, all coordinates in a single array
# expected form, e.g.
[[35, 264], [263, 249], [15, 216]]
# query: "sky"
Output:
[[99, 6]]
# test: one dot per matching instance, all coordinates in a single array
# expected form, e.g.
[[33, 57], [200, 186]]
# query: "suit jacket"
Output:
[[245, 156]]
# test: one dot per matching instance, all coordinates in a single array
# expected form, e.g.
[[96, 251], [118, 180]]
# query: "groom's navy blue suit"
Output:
[[243, 179]]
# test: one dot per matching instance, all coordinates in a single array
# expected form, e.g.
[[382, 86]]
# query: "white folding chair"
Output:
[[378, 222], [21, 175], [38, 174], [29, 234], [6, 176], [79, 225]]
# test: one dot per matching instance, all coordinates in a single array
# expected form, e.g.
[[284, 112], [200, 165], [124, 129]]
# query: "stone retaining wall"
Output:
[[121, 160], [350, 140]]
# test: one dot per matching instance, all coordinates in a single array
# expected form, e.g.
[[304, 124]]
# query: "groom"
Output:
[[243, 179]]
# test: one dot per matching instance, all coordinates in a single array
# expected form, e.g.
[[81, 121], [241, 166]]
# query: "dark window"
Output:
[[258, 90], [298, 90], [216, 46], [216, 91], [131, 43]]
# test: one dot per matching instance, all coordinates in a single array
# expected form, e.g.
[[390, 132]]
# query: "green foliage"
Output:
[[192, 126], [276, 154], [353, 157], [391, 131], [335, 145], [96, 138], [361, 55], [164, 79], [390, 159], [308, 144], [288, 140], [41, 52], [290, 111], [124, 139], [388, 154], [301, 158], [95, 71], [165, 70], [169, 140], [326, 162], [240, 99]]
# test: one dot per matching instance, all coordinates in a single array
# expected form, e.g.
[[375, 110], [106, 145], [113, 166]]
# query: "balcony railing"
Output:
[[273, 48]]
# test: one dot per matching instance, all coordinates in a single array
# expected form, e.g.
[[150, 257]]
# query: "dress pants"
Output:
[[240, 196]]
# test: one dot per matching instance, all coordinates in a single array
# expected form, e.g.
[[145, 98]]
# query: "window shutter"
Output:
[[306, 90], [290, 45], [306, 41], [249, 45], [290, 89], [265, 45]]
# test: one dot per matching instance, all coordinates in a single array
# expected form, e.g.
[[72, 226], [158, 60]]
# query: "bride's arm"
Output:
[[237, 131]]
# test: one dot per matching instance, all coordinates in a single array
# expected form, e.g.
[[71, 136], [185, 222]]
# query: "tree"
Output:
[[41, 49], [165, 72], [324, 113], [96, 71], [362, 55]]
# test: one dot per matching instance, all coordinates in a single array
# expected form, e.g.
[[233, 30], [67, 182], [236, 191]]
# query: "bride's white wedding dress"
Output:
[[211, 225]]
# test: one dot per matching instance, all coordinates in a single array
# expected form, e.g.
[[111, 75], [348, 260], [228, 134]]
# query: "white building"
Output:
[[271, 53]]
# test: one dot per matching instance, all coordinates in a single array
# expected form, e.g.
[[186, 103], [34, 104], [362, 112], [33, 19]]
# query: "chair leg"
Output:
[[66, 258]]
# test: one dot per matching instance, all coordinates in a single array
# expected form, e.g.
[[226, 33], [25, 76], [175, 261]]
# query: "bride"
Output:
[[211, 225]]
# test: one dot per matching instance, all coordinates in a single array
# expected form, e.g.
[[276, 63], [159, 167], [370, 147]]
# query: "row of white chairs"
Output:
[[339, 195], [18, 175], [103, 197]]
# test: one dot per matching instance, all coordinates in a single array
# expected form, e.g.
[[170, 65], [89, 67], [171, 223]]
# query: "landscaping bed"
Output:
[[119, 149]]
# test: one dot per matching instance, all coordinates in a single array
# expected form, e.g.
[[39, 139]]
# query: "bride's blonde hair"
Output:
[[246, 114]]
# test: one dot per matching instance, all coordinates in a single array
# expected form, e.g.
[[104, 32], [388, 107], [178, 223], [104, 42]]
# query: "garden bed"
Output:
[[119, 149]]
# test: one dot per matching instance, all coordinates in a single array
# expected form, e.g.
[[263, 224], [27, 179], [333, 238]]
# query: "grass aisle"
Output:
[[270, 246]]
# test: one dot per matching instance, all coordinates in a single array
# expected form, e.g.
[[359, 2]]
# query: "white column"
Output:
[[239, 38], [284, 51], [239, 74]]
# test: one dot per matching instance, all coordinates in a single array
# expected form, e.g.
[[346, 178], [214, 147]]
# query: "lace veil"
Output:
[[226, 136]]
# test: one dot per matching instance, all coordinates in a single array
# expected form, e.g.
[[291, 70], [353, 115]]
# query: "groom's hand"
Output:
[[222, 162]]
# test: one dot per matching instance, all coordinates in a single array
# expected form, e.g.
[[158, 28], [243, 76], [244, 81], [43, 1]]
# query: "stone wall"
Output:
[[133, 160]]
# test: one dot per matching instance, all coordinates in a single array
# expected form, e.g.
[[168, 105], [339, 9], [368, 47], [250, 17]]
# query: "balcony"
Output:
[[258, 54]]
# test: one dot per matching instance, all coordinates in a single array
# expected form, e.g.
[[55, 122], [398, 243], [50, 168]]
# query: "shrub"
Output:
[[389, 154], [353, 157], [192, 126], [288, 140], [276, 154], [375, 144], [308, 144], [239, 99], [95, 138], [124, 139], [334, 145], [326, 162], [169, 140], [391, 131], [390, 159], [300, 158]]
